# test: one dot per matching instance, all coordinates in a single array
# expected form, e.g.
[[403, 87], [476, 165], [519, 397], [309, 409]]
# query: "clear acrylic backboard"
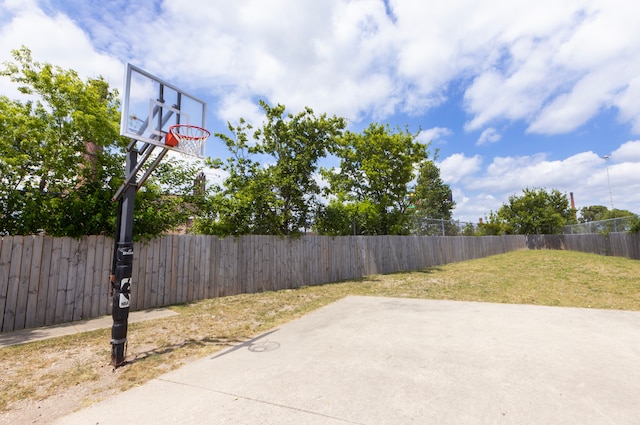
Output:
[[150, 106]]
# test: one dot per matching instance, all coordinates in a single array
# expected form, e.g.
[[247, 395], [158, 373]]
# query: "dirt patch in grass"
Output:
[[45, 380]]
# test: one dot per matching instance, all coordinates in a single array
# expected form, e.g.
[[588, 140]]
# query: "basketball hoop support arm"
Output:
[[146, 150], [131, 175]]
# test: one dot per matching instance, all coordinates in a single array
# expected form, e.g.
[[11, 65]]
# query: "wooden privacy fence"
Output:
[[46, 281], [615, 244]]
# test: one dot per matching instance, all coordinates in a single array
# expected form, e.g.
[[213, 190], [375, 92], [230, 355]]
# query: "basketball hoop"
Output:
[[187, 139]]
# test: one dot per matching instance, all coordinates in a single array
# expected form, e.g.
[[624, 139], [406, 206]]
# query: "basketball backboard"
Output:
[[150, 106]]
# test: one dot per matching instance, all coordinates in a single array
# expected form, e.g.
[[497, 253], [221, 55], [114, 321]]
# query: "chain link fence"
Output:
[[438, 227], [614, 225]]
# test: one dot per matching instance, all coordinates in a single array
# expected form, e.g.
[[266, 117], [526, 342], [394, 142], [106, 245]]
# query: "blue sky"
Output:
[[513, 94]]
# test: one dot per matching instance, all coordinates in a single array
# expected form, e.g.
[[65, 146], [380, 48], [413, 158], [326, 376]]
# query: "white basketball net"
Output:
[[190, 138]]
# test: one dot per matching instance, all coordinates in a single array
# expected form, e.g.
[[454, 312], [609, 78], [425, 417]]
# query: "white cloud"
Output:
[[234, 106], [560, 75], [489, 135], [515, 173], [470, 207], [54, 39], [571, 110], [457, 166], [584, 174], [551, 65], [434, 134], [627, 103], [627, 152], [330, 55]]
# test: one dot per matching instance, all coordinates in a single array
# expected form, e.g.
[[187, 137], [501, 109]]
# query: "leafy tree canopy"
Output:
[[536, 211], [430, 198], [279, 197], [61, 158], [600, 212], [376, 168]]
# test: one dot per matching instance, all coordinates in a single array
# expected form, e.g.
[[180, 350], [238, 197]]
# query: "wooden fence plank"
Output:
[[90, 243], [72, 276], [303, 258], [13, 284], [107, 263], [151, 276], [34, 283], [99, 279], [157, 281], [183, 257], [214, 265], [274, 266], [5, 265], [246, 269], [226, 253], [81, 291], [43, 287], [229, 258], [162, 270], [169, 281], [190, 266], [138, 278], [196, 271], [23, 283], [288, 269], [62, 280], [205, 264], [54, 277], [173, 272], [311, 260]]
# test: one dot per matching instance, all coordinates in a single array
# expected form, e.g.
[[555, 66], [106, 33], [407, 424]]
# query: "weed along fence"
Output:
[[46, 281]]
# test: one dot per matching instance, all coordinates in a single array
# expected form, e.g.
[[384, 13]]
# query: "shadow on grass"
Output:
[[202, 342], [430, 270], [235, 343]]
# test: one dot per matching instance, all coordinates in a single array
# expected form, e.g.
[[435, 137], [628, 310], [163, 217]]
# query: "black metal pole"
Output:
[[122, 265]]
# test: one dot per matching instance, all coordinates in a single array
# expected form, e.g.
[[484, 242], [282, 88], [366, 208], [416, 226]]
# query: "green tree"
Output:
[[353, 218], [376, 167], [61, 155], [431, 196], [493, 225], [278, 198], [430, 199], [592, 213], [537, 211], [616, 213]]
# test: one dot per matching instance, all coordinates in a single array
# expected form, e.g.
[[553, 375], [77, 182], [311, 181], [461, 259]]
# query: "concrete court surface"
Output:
[[368, 360]]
